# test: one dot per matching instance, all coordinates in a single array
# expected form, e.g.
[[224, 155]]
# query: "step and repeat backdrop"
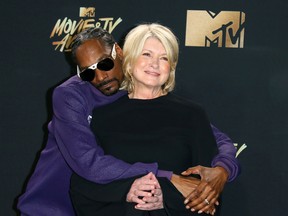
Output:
[[233, 61]]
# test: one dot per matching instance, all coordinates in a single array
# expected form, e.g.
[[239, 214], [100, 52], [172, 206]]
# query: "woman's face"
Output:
[[151, 69]]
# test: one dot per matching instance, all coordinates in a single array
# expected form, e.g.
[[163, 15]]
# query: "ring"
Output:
[[206, 201]]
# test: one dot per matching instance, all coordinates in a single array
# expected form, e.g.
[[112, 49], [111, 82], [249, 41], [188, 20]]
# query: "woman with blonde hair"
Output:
[[150, 124]]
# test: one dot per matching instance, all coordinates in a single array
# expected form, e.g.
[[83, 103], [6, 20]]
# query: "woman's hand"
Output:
[[146, 193]]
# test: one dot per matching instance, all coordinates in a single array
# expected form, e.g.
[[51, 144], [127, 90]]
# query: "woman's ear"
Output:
[[119, 51]]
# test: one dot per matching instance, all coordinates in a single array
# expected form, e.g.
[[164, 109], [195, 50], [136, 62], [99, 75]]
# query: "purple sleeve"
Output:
[[166, 174], [78, 144], [226, 156]]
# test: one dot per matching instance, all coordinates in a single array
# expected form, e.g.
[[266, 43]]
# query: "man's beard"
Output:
[[106, 82]]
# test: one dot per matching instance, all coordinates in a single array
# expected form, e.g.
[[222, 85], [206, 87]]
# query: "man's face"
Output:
[[91, 52]]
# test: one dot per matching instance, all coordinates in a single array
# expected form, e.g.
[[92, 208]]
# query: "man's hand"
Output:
[[186, 186], [146, 193], [205, 196]]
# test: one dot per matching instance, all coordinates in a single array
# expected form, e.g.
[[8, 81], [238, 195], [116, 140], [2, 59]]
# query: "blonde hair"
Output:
[[133, 46]]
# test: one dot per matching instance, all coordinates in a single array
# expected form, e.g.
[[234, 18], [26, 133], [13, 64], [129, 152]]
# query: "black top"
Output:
[[169, 130]]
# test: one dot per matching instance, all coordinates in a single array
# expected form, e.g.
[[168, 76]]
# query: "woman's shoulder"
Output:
[[185, 102]]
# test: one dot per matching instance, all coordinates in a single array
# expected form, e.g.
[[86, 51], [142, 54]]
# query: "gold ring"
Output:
[[206, 201]]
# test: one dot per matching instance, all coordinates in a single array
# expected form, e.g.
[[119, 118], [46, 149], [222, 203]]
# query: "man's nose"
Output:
[[101, 75]]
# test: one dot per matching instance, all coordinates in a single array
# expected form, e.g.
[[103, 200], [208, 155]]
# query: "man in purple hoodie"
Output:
[[73, 148]]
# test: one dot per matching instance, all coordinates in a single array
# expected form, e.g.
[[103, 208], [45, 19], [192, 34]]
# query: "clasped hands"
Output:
[[146, 193], [200, 195]]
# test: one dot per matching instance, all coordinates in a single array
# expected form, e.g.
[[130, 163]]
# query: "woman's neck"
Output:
[[145, 94]]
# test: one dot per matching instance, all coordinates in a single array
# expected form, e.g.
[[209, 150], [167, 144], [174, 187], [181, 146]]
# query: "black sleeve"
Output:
[[206, 145]]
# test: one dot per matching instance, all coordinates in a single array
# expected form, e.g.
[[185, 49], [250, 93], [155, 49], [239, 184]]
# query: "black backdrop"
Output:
[[244, 90]]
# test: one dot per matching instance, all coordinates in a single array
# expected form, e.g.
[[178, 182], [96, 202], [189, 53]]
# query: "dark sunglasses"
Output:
[[106, 64]]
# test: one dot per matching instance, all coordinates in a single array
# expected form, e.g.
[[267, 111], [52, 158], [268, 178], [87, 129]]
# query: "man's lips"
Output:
[[107, 84], [104, 84]]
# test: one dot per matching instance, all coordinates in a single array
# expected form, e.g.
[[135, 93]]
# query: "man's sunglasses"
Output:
[[106, 64]]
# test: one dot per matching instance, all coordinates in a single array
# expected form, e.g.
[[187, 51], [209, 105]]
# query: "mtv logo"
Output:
[[87, 12], [208, 29]]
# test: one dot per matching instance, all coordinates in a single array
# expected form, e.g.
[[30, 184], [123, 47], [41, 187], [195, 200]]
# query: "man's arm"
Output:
[[78, 145], [226, 157], [225, 168]]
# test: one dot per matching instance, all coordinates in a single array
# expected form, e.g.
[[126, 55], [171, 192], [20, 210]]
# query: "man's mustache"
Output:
[[106, 82]]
